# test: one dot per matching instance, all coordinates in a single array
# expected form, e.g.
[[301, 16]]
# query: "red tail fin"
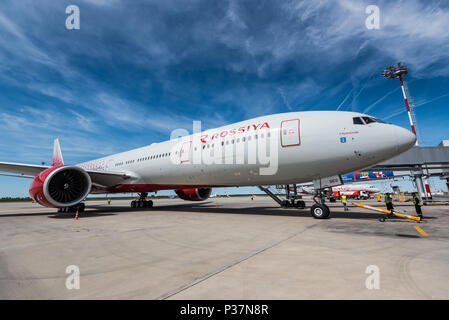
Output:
[[57, 155]]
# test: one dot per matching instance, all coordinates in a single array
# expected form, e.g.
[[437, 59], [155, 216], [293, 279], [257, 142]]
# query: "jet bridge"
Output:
[[419, 163]]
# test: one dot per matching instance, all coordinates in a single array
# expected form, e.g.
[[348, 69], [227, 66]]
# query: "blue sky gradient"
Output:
[[136, 70]]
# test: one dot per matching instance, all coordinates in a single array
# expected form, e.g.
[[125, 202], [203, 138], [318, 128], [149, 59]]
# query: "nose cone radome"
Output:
[[405, 139]]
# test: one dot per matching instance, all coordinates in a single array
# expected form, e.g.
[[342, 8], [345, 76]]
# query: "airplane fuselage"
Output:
[[276, 149]]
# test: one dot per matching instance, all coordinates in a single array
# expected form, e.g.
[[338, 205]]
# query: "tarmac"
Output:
[[223, 248]]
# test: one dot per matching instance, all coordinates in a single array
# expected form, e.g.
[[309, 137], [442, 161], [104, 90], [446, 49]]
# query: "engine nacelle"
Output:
[[199, 194], [60, 187]]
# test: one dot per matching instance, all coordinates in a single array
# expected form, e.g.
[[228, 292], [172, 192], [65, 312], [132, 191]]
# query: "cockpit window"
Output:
[[357, 120], [380, 121], [368, 120]]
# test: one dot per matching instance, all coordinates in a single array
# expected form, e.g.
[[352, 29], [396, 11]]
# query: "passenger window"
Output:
[[357, 120]]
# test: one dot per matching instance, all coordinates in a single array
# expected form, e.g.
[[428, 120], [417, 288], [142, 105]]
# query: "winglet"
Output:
[[57, 154]]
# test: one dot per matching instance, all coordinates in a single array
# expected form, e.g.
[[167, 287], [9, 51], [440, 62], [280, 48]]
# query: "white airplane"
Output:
[[299, 146]]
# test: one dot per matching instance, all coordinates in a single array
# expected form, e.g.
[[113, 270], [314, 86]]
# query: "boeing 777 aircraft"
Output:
[[284, 148]]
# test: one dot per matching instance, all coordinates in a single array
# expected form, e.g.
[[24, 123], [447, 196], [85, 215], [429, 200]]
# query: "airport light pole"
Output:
[[399, 72]]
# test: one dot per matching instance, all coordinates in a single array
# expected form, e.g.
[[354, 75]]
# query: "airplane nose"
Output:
[[404, 139]]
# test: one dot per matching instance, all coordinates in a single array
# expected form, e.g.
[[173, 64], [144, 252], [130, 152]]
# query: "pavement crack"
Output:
[[228, 266]]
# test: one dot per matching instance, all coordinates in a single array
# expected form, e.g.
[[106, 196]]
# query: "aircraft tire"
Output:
[[320, 211], [300, 204], [150, 204], [285, 204], [133, 204]]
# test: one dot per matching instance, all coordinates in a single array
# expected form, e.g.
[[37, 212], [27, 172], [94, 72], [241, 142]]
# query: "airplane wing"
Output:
[[22, 169], [103, 180], [100, 179]]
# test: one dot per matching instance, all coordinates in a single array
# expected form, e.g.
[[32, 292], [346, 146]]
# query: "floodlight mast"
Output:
[[399, 72]]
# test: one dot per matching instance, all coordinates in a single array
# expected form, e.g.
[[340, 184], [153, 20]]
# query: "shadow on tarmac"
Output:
[[93, 211], [210, 207]]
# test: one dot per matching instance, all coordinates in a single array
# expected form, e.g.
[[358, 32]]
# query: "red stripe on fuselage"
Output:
[[132, 188]]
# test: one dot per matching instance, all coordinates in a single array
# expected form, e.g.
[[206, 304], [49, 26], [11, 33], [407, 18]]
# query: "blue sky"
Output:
[[136, 70]]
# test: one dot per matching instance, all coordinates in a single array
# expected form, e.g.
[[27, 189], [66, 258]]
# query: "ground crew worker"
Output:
[[109, 201], [389, 202], [343, 200], [323, 199], [417, 202]]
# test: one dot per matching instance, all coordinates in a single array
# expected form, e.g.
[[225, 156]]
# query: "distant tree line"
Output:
[[11, 199]]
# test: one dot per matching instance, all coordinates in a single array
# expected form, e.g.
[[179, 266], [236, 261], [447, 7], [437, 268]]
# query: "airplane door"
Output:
[[185, 151], [290, 133], [109, 164]]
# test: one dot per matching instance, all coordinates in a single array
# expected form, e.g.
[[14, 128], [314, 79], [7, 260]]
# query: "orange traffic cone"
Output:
[[76, 215]]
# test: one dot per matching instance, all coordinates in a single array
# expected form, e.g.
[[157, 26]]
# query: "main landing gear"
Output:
[[142, 202], [79, 207], [292, 201]]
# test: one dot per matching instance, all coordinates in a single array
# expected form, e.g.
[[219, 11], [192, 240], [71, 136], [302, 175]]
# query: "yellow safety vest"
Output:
[[416, 201]]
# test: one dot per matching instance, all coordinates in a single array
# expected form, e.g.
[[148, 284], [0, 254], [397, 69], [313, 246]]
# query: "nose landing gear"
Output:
[[320, 211]]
